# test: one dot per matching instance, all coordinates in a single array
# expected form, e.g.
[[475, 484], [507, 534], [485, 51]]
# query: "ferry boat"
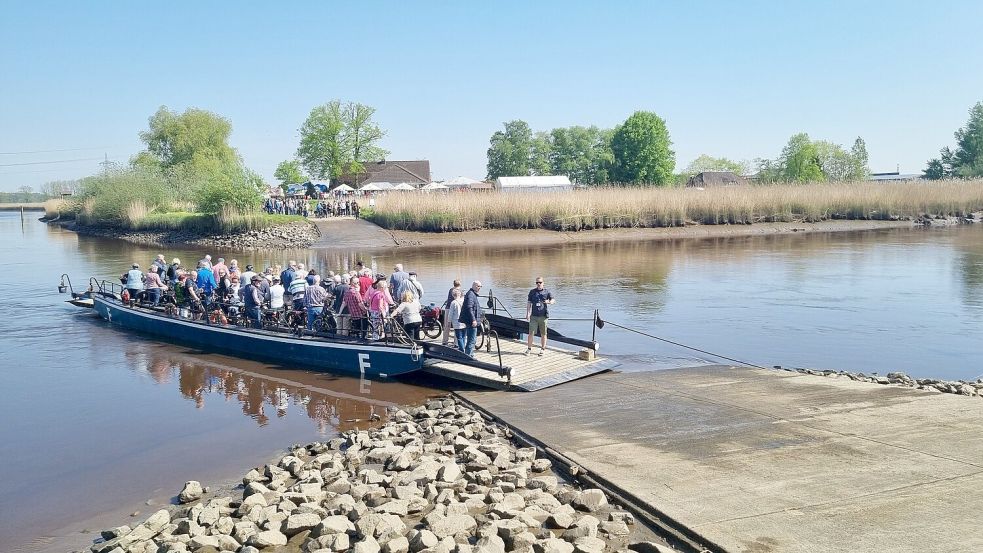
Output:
[[337, 354]]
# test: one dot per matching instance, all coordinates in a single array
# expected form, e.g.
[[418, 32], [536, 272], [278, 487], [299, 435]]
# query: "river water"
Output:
[[98, 424]]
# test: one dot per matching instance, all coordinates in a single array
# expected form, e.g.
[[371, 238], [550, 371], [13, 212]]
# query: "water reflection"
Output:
[[332, 402]]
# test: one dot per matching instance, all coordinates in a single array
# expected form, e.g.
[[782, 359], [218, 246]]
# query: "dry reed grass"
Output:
[[57, 207], [611, 207]]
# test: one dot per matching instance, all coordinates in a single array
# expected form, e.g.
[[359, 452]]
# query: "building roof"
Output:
[[545, 181], [412, 171], [460, 182]]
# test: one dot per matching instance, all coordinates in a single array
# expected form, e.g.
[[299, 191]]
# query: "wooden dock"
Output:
[[529, 372]]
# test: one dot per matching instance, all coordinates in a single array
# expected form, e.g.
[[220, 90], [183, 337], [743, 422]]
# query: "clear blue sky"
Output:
[[732, 79]]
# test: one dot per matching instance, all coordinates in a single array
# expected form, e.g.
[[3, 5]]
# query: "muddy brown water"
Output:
[[98, 424]]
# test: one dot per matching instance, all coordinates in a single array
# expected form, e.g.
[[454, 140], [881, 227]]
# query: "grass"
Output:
[[58, 207], [611, 207], [223, 223]]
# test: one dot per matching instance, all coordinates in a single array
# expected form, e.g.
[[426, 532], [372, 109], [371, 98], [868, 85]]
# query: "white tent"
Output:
[[404, 186], [371, 187], [434, 186], [384, 185], [540, 183], [344, 188], [460, 182]]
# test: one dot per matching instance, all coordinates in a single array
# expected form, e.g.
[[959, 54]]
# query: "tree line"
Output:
[[638, 152]]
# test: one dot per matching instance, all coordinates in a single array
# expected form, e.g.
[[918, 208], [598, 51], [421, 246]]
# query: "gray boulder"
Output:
[[192, 492]]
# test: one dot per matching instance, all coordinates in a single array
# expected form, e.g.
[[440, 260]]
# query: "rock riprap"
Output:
[[959, 387], [437, 479]]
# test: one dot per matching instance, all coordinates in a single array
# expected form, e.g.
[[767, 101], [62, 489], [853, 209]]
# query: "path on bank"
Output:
[[770, 461], [348, 233]]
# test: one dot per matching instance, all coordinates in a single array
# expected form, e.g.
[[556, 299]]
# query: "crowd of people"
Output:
[[321, 208], [354, 303]]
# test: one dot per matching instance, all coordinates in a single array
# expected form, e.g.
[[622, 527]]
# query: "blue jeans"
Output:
[[472, 332], [459, 334], [153, 296], [255, 315], [312, 314]]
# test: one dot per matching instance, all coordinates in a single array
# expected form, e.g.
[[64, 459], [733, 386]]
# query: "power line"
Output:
[[48, 162], [49, 151]]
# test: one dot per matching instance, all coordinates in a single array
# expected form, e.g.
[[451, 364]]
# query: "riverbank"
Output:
[[295, 235], [541, 237], [437, 477]]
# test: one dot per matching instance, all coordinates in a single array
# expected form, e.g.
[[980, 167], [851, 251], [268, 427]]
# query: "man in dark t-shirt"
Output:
[[538, 314]]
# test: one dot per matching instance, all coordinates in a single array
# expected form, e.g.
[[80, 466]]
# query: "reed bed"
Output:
[[617, 207], [58, 208], [225, 222]]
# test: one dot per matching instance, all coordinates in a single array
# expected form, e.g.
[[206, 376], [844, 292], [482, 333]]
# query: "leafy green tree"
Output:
[[967, 159], [241, 193], [360, 136], [288, 172], [321, 150], [799, 161], [641, 149], [195, 136], [511, 150], [860, 166], [539, 156], [582, 153], [709, 163], [339, 137]]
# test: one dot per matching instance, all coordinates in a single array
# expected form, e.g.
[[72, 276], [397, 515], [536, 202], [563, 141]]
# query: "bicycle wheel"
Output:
[[434, 330], [479, 341]]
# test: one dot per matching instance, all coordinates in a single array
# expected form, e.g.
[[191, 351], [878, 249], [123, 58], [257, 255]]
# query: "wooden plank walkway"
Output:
[[529, 373]]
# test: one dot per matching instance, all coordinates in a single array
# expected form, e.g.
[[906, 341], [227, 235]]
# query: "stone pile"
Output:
[[435, 479], [296, 235], [960, 387]]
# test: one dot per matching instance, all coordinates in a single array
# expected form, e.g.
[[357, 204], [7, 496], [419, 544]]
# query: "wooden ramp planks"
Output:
[[529, 373]]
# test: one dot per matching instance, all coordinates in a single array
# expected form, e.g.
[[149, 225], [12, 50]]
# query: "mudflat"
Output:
[[348, 233], [771, 461]]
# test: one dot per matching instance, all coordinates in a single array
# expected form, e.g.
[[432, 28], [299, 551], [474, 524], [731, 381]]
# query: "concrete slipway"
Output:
[[762, 461]]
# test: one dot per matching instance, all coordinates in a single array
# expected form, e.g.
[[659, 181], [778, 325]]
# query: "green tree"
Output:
[[539, 155], [241, 193], [582, 153], [321, 150], [799, 161], [195, 136], [511, 150], [860, 166], [710, 163], [339, 137], [288, 172], [641, 149], [360, 136], [967, 158]]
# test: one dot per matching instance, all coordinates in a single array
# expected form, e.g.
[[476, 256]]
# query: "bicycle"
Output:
[[432, 327]]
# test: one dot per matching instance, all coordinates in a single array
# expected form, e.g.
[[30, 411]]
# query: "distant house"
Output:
[[707, 179], [522, 184], [416, 173]]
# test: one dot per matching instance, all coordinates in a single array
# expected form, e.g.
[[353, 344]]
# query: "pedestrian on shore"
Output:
[[538, 314], [450, 321], [471, 315]]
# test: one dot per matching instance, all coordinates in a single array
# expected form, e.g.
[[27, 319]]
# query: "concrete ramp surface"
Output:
[[769, 461]]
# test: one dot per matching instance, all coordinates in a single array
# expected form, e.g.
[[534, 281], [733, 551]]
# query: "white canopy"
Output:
[[460, 182], [343, 188], [371, 187], [434, 186], [404, 186], [384, 185]]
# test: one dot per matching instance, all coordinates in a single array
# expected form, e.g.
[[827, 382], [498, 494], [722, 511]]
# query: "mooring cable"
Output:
[[668, 341]]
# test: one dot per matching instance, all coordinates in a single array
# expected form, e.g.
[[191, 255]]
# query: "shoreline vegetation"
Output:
[[618, 207]]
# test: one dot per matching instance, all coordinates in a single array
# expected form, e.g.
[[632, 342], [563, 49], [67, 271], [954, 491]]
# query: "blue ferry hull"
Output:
[[355, 358]]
